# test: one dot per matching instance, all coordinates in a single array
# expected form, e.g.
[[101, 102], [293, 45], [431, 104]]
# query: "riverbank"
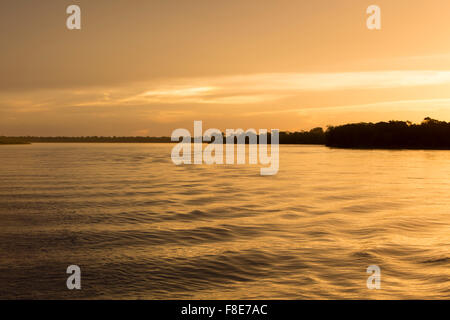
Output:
[[10, 142], [429, 135]]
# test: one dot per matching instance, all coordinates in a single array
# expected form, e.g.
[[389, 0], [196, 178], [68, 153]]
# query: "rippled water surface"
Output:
[[141, 227]]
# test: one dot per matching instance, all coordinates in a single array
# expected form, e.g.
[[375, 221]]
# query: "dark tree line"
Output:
[[92, 139], [315, 136], [430, 134], [11, 140]]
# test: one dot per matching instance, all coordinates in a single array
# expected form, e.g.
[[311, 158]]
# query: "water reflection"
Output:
[[141, 227]]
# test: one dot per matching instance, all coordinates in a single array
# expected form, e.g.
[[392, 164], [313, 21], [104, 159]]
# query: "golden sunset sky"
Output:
[[147, 67]]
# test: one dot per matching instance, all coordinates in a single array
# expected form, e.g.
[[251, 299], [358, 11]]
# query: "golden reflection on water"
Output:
[[141, 227]]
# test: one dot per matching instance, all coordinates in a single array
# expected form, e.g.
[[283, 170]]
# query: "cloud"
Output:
[[228, 90], [256, 88], [411, 105]]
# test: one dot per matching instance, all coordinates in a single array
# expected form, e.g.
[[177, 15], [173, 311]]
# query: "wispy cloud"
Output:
[[411, 105], [238, 89], [256, 88]]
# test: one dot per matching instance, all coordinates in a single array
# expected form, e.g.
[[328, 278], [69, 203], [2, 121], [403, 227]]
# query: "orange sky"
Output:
[[147, 67]]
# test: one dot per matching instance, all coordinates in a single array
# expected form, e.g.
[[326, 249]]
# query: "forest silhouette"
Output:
[[429, 134]]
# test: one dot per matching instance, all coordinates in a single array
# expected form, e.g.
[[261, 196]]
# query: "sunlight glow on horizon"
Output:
[[243, 89], [292, 65]]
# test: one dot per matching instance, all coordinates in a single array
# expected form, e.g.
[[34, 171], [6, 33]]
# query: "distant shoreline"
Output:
[[393, 135], [13, 142], [430, 134], [314, 136], [287, 144]]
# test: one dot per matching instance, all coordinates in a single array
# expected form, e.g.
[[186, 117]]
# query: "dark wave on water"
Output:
[[142, 228]]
